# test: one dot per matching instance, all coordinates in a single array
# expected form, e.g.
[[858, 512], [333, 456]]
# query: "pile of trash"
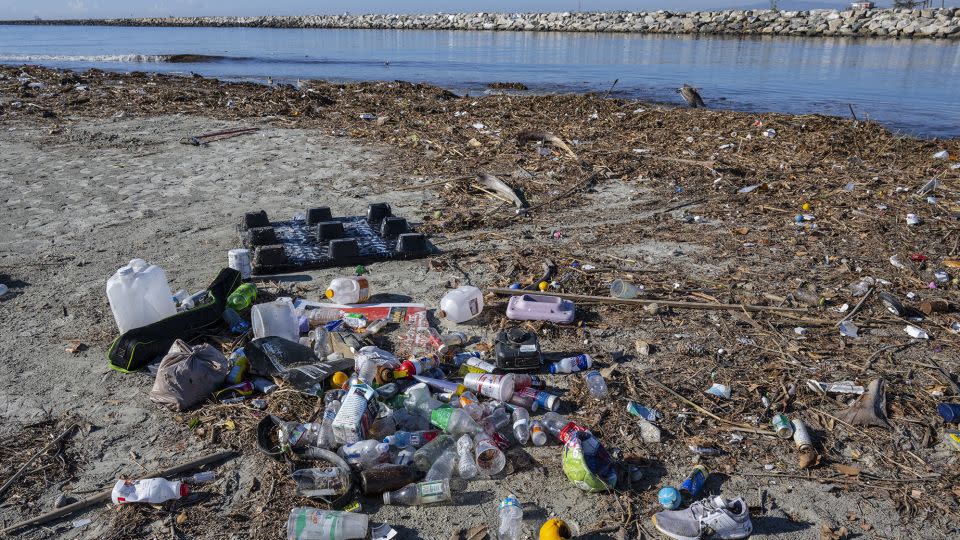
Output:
[[405, 427]]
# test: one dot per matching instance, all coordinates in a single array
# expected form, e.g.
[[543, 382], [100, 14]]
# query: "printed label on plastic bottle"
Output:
[[364, 290], [316, 522], [431, 491], [568, 431], [440, 416], [474, 306]]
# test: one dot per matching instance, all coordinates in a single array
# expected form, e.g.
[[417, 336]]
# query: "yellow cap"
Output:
[[543, 285], [339, 378], [806, 207], [555, 529], [329, 293]]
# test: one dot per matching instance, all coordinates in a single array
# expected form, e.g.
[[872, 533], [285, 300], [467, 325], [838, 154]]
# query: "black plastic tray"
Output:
[[319, 240]]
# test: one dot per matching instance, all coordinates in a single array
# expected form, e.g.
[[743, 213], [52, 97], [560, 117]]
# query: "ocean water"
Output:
[[912, 87]]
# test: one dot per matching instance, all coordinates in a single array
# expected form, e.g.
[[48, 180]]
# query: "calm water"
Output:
[[910, 86]]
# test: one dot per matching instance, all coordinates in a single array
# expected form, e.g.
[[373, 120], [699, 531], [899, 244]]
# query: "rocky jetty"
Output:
[[877, 23]]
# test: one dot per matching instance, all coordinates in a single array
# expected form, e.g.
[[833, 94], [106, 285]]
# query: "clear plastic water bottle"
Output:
[[511, 519], [596, 384], [521, 425], [327, 439], [466, 467], [420, 493], [415, 439], [364, 454], [204, 477], [572, 364], [442, 468]]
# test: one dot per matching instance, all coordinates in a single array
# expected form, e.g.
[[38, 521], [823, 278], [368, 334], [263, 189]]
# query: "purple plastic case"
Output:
[[534, 307]]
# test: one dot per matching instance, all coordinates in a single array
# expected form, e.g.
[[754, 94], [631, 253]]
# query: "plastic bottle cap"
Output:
[[329, 293], [553, 369]]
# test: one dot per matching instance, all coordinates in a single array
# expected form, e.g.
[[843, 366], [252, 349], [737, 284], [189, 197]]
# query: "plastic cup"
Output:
[[275, 319], [623, 290], [490, 459], [499, 387]]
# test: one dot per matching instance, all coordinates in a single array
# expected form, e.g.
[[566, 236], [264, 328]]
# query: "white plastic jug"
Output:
[[139, 295], [277, 318], [349, 290], [461, 304]]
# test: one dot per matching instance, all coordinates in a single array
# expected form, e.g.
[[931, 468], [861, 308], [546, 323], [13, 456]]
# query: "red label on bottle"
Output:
[[568, 431]]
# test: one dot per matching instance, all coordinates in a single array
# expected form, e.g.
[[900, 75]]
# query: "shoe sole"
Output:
[[670, 534]]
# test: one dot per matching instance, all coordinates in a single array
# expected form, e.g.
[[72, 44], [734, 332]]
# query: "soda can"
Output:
[[783, 426], [691, 487]]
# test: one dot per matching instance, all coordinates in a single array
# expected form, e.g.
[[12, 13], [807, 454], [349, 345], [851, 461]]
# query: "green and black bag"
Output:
[[136, 348]]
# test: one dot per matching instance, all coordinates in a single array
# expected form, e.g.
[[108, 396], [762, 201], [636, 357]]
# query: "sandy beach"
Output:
[[92, 178]]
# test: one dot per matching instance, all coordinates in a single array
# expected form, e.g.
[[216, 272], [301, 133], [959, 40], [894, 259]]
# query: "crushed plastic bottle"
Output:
[[442, 468], [148, 490], [511, 519], [466, 467]]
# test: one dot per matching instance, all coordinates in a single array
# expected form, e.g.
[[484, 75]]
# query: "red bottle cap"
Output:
[[184, 490]]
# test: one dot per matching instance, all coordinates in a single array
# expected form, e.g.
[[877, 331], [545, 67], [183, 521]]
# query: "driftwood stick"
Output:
[[648, 301], [104, 495], [742, 427], [16, 476]]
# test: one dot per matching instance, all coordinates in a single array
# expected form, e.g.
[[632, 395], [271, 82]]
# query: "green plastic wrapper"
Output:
[[577, 465]]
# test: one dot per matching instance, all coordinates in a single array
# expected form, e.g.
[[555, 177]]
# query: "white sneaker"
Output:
[[726, 519]]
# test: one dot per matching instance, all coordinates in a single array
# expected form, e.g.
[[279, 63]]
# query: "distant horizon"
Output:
[[120, 9]]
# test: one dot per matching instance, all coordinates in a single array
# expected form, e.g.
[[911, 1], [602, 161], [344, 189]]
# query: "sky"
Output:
[[65, 9]]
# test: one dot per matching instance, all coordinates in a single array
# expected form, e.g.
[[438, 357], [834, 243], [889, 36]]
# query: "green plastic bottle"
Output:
[[242, 297]]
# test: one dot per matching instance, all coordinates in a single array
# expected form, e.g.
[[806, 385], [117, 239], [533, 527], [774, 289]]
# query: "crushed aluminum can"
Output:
[[782, 425]]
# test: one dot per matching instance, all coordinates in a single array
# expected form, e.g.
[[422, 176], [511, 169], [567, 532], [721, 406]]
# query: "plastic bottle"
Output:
[[453, 421], [538, 434], [572, 364], [349, 290], [321, 482], [148, 490], [242, 297], [490, 459], [461, 304], [442, 468], [511, 519], [314, 524], [596, 384], [560, 426], [424, 457], [322, 315], [139, 294], [466, 467], [521, 425], [532, 399], [415, 439], [204, 477], [405, 456], [419, 366], [326, 438], [420, 493], [523, 380], [235, 322], [451, 341], [365, 454]]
